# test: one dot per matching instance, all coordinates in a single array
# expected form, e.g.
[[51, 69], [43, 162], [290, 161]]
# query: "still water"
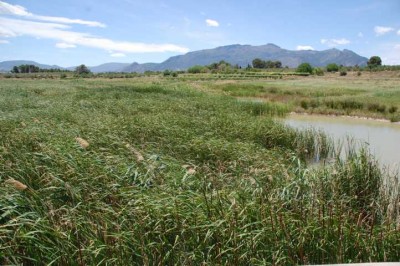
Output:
[[382, 138]]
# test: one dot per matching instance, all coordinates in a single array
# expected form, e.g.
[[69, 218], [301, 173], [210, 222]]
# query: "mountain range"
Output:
[[241, 55], [6, 66]]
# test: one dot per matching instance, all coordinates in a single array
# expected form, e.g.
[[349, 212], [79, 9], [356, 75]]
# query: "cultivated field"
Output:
[[191, 170]]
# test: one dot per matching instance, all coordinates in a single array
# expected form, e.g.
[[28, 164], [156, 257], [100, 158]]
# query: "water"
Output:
[[382, 138]]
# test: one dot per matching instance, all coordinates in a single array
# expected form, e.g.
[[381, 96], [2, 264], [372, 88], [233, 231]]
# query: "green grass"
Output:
[[369, 95], [176, 175]]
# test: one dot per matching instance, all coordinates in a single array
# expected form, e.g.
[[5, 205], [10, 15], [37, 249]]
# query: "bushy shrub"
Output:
[[375, 107], [304, 104], [318, 71], [195, 69], [332, 67], [392, 109], [305, 68]]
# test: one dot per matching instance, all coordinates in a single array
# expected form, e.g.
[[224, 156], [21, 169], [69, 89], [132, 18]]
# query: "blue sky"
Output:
[[71, 32]]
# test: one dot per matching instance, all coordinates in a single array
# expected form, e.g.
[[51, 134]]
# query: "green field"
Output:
[[190, 170], [372, 94]]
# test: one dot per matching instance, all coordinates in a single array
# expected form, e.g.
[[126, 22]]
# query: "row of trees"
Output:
[[34, 69], [25, 69], [221, 66], [373, 62], [82, 69], [259, 63]]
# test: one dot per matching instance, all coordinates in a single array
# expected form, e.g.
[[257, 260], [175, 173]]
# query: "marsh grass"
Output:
[[373, 95], [245, 195], [259, 108]]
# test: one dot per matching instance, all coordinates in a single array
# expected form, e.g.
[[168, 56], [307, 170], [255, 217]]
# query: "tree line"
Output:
[[374, 63], [259, 63], [33, 69]]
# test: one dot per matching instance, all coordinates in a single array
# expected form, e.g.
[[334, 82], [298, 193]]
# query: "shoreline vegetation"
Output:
[[347, 116], [162, 170]]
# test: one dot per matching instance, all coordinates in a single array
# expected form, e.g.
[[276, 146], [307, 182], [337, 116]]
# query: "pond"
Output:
[[382, 137]]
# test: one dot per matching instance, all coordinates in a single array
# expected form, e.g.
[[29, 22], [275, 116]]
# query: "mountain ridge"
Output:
[[243, 55], [235, 54], [6, 66]]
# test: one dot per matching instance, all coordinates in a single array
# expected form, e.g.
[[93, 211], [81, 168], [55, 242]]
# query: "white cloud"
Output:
[[4, 42], [304, 48], [21, 11], [64, 45], [4, 32], [335, 42], [15, 27], [212, 23], [390, 54], [69, 21], [398, 32], [379, 30], [8, 9], [118, 55], [360, 35]]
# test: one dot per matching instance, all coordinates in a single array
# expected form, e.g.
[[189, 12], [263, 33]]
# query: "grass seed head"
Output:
[[138, 155], [191, 171], [16, 184], [83, 143]]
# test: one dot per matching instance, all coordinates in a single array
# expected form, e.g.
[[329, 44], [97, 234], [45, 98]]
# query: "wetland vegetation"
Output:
[[163, 170]]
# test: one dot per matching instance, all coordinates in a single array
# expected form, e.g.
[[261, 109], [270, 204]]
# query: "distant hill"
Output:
[[109, 67], [244, 55], [7, 66], [140, 68], [234, 54]]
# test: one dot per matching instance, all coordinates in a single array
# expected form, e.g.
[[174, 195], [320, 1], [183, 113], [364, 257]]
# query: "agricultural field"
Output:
[[191, 170]]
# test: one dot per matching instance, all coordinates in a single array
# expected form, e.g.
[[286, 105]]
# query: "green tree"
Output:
[[196, 69], [374, 61], [332, 67], [167, 73], [26, 69], [258, 63], [82, 70], [15, 70], [304, 68], [277, 64]]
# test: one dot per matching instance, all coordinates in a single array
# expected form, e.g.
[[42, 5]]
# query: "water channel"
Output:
[[382, 137]]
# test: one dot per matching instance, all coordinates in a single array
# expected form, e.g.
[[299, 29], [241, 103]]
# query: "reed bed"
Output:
[[176, 176]]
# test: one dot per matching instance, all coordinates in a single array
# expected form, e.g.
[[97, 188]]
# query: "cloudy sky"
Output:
[[71, 32]]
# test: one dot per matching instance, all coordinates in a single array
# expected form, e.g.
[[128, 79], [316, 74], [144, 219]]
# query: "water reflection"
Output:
[[383, 138]]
